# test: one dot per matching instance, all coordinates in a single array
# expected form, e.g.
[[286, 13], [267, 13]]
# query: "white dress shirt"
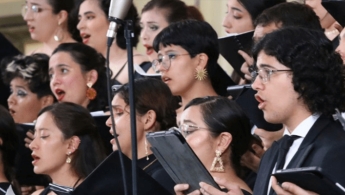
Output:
[[301, 130]]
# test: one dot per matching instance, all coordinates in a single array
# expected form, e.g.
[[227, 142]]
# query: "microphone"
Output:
[[117, 11]]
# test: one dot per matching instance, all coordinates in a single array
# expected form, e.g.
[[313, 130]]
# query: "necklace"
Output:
[[150, 164]]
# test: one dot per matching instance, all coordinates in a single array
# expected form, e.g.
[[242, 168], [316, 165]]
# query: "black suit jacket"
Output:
[[323, 146]]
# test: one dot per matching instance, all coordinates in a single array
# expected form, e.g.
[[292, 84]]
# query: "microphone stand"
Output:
[[128, 24]]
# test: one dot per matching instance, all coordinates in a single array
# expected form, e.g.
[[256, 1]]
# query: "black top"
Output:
[[157, 172], [3, 188]]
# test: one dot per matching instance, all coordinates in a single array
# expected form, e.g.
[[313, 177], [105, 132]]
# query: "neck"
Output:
[[116, 53], [199, 89], [296, 118], [50, 45], [66, 178], [3, 178]]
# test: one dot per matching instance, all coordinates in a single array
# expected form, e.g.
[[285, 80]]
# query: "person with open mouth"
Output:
[[77, 74], [29, 84], [48, 23], [93, 26], [67, 146]]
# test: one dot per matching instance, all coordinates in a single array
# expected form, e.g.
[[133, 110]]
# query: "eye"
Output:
[[64, 70], [44, 136], [36, 9], [172, 56], [21, 93], [154, 27], [90, 17]]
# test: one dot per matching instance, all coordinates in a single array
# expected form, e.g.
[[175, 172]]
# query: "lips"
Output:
[[36, 159], [85, 37], [12, 112], [261, 101], [31, 28], [166, 79], [60, 94], [149, 49]]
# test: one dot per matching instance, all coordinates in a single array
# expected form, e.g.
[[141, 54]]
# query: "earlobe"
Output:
[[225, 140], [203, 59], [62, 17], [149, 120], [92, 76], [73, 144]]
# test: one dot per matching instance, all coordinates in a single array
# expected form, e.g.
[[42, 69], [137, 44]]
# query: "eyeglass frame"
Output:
[[156, 62], [183, 132], [33, 8], [255, 72]]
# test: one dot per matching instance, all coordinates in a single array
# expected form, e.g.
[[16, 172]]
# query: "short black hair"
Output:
[[195, 37], [318, 75], [290, 14], [89, 59], [33, 69], [221, 114]]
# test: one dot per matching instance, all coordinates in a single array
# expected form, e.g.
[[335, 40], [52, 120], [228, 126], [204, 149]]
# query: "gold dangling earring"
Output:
[[58, 36], [91, 93], [217, 159], [200, 74], [69, 159], [146, 150]]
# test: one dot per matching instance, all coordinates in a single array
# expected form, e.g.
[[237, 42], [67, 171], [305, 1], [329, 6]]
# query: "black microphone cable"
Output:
[[109, 43]]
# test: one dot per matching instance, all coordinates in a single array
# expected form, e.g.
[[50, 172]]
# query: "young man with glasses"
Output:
[[300, 81]]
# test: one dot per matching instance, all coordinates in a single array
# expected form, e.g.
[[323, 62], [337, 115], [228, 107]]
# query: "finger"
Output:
[[246, 57], [276, 187], [180, 188], [294, 189], [30, 134], [208, 189], [196, 192]]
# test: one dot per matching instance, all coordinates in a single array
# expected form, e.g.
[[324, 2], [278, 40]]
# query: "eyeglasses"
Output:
[[187, 129], [264, 74], [33, 8], [165, 61]]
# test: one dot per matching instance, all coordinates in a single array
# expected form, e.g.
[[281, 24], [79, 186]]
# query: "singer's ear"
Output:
[[92, 76], [62, 18], [203, 59]]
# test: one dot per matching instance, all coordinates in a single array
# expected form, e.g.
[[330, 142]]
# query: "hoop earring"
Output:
[[69, 159], [58, 36], [217, 159], [91, 93], [146, 150], [200, 74]]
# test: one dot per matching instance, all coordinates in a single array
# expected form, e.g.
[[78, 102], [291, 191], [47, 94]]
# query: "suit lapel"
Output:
[[266, 166], [307, 144]]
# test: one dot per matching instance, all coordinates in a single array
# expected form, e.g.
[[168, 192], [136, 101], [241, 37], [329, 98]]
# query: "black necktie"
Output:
[[284, 146]]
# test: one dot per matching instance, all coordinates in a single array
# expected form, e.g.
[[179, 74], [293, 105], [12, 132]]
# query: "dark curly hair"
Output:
[[33, 69], [223, 115], [318, 75], [75, 120], [68, 6], [89, 59], [152, 94]]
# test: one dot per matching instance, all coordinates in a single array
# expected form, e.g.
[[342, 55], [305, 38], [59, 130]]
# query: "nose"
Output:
[[143, 34], [108, 122], [226, 23], [11, 99], [33, 144], [80, 24], [54, 80], [257, 84], [28, 15]]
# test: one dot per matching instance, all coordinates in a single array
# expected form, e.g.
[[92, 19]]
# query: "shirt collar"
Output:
[[303, 128]]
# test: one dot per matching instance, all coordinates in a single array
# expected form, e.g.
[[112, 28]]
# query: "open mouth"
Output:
[[31, 28], [260, 100], [36, 158], [165, 79], [85, 37], [12, 112], [60, 94], [149, 49]]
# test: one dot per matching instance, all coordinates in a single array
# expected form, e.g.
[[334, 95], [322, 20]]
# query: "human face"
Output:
[[67, 80], [48, 144], [180, 75], [122, 126], [43, 24], [276, 96], [341, 47], [152, 22], [201, 141], [23, 104], [93, 25], [261, 31], [237, 18]]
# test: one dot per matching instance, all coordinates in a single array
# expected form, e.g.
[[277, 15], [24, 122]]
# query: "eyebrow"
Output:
[[236, 9], [266, 66], [42, 129], [116, 106], [188, 121], [60, 65]]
